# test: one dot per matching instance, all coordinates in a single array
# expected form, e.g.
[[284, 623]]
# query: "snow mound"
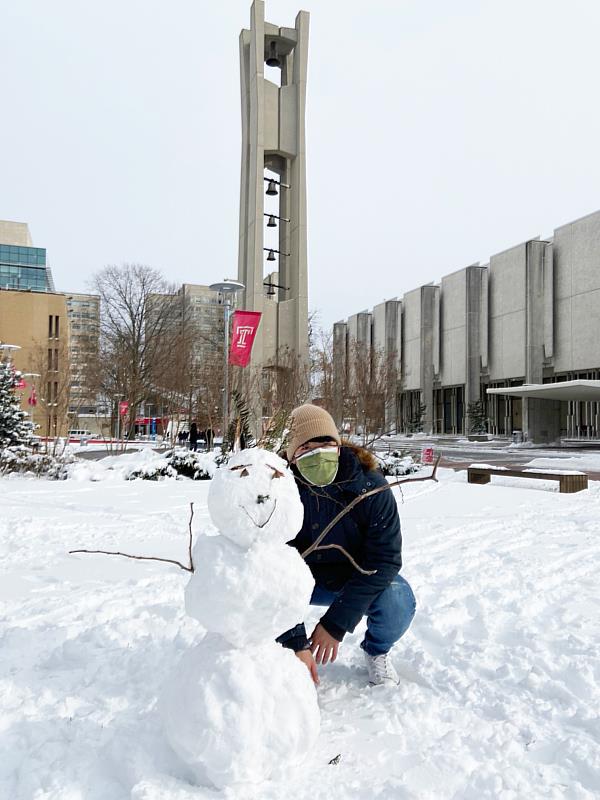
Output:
[[247, 596], [236, 715], [145, 464]]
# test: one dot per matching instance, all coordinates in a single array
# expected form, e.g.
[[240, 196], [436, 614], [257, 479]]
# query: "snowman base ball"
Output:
[[235, 715]]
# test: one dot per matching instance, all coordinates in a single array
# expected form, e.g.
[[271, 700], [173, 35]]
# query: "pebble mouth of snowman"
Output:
[[261, 500]]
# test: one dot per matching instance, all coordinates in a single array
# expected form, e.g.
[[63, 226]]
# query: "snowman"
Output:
[[240, 706]]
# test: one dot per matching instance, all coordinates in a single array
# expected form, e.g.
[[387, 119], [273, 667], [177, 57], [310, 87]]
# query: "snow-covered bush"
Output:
[[15, 428], [155, 471], [16, 434], [197, 466], [397, 463], [23, 460], [179, 463]]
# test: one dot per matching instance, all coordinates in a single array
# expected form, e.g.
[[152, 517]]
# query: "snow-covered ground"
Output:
[[500, 673]]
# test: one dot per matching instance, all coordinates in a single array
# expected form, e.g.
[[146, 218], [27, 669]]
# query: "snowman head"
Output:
[[254, 498]]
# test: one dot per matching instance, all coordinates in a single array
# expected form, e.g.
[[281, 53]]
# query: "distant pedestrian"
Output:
[[194, 437]]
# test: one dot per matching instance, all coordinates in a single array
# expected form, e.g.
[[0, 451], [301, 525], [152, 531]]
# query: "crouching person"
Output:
[[329, 476]]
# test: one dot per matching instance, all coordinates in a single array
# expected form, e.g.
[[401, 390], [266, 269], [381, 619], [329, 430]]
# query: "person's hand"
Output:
[[307, 658], [323, 646]]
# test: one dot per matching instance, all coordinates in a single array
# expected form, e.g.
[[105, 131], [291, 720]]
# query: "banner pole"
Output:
[[226, 372]]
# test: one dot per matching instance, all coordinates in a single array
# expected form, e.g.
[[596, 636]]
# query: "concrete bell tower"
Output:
[[273, 139]]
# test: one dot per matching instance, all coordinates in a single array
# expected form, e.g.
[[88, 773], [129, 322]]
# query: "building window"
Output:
[[50, 328], [56, 329]]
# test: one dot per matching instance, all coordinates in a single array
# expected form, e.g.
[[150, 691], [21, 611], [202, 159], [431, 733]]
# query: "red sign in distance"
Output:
[[123, 407]]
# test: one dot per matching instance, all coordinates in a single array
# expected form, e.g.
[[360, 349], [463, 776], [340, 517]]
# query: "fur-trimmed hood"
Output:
[[367, 460]]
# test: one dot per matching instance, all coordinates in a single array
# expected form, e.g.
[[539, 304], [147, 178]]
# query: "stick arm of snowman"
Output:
[[316, 545], [188, 568]]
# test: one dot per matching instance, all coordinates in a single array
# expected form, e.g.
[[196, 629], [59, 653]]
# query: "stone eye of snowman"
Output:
[[242, 469]]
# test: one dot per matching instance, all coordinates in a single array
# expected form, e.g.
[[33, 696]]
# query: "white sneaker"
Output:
[[381, 670]]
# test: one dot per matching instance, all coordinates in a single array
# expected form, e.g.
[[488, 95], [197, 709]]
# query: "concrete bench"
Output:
[[569, 482]]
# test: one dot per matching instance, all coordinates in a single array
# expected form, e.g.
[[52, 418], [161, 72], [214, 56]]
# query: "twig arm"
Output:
[[138, 558], [189, 568]]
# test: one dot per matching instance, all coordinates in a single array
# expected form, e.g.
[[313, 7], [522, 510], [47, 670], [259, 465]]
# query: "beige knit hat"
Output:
[[310, 422]]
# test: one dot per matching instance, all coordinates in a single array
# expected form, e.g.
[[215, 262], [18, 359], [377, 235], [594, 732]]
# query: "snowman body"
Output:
[[240, 706]]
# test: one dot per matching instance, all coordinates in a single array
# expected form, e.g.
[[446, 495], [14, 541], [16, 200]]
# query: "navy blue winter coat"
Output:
[[370, 533]]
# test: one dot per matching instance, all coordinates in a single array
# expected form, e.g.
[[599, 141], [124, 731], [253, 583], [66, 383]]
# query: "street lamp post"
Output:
[[228, 288], [8, 348], [118, 420]]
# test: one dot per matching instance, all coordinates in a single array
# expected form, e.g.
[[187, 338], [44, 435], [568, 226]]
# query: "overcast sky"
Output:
[[438, 133]]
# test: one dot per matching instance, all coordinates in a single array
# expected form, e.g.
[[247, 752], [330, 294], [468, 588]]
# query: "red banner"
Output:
[[123, 407], [245, 325]]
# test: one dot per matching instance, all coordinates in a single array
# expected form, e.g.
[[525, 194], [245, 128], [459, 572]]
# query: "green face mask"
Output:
[[319, 467]]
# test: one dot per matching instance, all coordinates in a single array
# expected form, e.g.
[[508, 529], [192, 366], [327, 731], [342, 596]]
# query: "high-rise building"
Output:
[[189, 378], [22, 266], [34, 318], [83, 312]]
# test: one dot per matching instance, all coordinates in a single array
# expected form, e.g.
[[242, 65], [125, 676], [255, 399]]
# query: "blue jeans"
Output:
[[388, 617]]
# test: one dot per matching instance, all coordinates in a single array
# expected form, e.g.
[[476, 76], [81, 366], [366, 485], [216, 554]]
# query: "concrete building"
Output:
[[34, 317], [83, 314], [420, 357], [37, 323], [340, 371], [386, 348], [202, 311], [531, 316], [274, 161], [191, 384], [458, 348]]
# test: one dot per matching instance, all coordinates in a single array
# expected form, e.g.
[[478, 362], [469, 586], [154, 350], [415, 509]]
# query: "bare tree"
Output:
[[372, 386], [139, 330], [322, 370], [190, 385]]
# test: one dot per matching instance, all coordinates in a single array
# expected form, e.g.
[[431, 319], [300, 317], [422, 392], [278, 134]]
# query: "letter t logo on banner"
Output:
[[244, 327]]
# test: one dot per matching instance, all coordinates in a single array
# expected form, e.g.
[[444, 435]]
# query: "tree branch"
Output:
[[189, 568], [359, 498], [348, 556]]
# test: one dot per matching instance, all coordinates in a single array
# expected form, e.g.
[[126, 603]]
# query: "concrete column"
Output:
[[541, 418], [340, 370], [273, 136], [475, 284], [430, 298]]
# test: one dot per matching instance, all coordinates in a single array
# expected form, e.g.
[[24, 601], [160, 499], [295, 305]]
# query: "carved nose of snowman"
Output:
[[262, 498]]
